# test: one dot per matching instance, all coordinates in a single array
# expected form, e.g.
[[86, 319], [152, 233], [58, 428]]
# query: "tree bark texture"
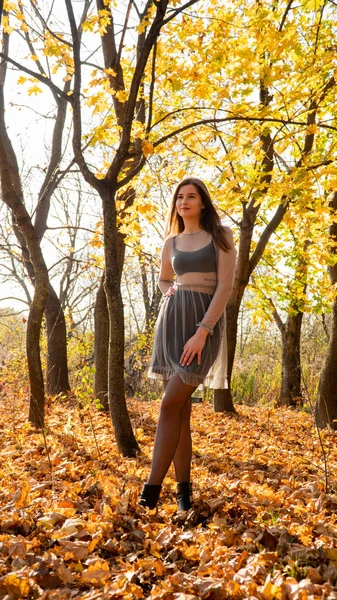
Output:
[[57, 363], [290, 393], [151, 294], [326, 406], [41, 292], [125, 438], [101, 344], [101, 317], [101, 350], [223, 401], [37, 397]]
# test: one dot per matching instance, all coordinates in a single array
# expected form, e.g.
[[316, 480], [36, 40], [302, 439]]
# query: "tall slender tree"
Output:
[[12, 195], [326, 407]]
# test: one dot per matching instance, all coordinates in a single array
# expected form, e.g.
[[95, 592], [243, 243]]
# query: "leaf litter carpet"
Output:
[[262, 526]]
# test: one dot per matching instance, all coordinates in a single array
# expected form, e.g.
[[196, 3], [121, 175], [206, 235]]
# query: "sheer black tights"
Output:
[[173, 435]]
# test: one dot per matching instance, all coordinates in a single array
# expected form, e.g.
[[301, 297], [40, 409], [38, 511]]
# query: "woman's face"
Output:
[[188, 202]]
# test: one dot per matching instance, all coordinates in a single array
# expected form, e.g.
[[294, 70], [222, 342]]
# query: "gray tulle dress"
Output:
[[203, 283]]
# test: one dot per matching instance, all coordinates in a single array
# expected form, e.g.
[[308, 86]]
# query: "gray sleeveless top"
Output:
[[203, 260]]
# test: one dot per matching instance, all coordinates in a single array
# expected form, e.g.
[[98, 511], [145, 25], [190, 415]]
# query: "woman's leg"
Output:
[[183, 455], [177, 394]]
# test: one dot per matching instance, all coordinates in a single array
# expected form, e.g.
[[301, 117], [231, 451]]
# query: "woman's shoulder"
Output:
[[169, 240], [168, 243], [225, 229], [223, 240], [227, 232]]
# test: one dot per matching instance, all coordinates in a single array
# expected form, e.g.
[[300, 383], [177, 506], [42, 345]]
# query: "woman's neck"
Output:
[[190, 228]]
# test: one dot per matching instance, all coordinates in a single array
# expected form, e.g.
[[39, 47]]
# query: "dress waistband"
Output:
[[195, 287]]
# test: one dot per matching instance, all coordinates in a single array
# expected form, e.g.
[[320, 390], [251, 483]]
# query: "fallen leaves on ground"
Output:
[[261, 527]]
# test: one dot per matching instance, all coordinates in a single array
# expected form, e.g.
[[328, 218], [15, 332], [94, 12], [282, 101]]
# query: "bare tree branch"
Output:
[[45, 25], [76, 101], [285, 14], [179, 10], [46, 80]]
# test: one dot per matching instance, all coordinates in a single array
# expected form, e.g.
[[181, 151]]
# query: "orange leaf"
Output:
[[97, 573], [147, 148]]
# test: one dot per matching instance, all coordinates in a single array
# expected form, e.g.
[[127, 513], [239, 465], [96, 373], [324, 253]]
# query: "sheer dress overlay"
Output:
[[202, 276]]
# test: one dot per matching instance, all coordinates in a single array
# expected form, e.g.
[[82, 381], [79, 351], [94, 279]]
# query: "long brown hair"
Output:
[[209, 218]]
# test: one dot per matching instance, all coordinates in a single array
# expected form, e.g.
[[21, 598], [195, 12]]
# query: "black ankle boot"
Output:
[[149, 496], [184, 495]]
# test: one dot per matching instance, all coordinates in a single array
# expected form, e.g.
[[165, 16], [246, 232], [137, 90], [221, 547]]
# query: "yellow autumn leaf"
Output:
[[144, 208], [312, 128], [131, 239], [147, 148], [74, 550], [34, 90], [159, 567], [9, 6], [97, 573], [272, 592], [20, 496], [107, 511], [5, 24], [191, 553], [17, 585], [89, 23], [110, 72], [97, 242], [92, 545], [122, 95], [69, 527], [332, 554]]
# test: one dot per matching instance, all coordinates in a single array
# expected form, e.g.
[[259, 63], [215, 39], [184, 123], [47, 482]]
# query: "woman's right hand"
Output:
[[170, 292]]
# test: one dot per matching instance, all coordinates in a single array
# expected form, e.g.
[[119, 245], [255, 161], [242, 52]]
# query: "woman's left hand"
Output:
[[194, 346]]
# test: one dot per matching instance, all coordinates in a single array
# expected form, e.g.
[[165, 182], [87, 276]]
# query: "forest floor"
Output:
[[263, 525]]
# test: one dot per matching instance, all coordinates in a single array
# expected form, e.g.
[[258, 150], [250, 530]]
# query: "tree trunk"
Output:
[[101, 351], [57, 363], [40, 298], [125, 438], [223, 401], [290, 393], [326, 407], [152, 295], [37, 398], [101, 323], [12, 196]]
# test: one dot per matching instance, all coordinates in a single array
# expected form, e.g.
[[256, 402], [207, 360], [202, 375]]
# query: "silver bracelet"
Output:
[[208, 327]]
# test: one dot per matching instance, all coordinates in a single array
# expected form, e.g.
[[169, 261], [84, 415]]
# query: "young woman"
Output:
[[190, 336]]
